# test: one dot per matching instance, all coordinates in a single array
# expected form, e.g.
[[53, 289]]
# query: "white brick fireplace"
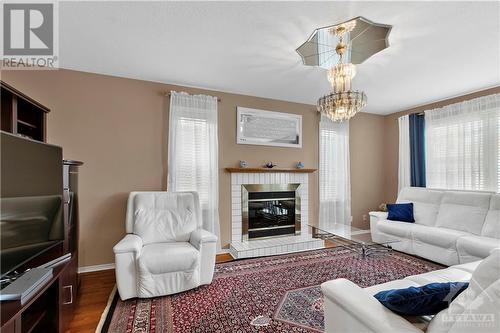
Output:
[[242, 248]]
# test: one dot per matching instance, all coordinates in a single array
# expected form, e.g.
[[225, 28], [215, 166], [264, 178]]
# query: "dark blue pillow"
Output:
[[400, 212], [421, 301]]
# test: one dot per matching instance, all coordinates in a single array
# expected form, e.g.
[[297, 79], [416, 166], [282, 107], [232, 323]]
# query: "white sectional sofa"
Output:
[[352, 309], [450, 227]]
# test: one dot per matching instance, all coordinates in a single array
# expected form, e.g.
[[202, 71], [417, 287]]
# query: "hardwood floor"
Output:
[[93, 295]]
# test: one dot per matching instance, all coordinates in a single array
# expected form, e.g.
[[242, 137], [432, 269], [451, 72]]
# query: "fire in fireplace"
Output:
[[270, 210]]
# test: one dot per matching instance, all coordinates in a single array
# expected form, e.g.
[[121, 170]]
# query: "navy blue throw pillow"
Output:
[[400, 212], [421, 301]]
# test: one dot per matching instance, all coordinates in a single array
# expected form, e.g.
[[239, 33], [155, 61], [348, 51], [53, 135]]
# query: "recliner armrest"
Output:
[[377, 215], [201, 236], [359, 308], [130, 243]]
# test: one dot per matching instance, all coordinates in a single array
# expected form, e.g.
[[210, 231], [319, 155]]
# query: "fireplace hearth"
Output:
[[270, 210]]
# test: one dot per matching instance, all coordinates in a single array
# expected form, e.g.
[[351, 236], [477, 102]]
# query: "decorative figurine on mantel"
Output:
[[243, 164], [269, 165], [300, 165], [383, 207]]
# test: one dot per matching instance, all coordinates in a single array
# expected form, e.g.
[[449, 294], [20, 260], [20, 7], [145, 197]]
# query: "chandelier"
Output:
[[338, 48]]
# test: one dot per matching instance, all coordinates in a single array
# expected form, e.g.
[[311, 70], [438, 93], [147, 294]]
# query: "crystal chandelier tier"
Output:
[[340, 106], [343, 102], [338, 48]]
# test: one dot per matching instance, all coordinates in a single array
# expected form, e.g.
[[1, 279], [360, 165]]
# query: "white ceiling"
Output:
[[438, 49]]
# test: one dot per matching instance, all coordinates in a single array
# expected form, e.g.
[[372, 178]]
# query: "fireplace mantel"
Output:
[[260, 170]]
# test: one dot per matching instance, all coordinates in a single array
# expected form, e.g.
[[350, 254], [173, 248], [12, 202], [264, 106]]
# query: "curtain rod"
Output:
[[218, 98]]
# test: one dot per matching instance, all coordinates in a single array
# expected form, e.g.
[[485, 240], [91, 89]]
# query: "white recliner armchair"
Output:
[[165, 251]]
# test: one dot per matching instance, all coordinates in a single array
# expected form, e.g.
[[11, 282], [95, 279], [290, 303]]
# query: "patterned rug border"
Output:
[[105, 320], [278, 308]]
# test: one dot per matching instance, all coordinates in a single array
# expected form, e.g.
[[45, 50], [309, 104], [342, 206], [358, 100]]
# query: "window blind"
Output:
[[463, 145], [334, 174]]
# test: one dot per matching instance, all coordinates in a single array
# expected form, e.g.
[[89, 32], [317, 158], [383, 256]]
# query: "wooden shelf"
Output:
[[21, 114], [260, 170], [26, 124], [30, 324]]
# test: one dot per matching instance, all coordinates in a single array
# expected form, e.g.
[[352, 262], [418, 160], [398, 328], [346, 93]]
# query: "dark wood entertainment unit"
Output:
[[48, 310], [51, 308]]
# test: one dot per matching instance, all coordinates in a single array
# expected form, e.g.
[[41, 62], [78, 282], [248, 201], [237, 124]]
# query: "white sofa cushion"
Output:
[[465, 211], [443, 275], [481, 299], [454, 273], [425, 203], [395, 284], [158, 219], [177, 201], [162, 258], [395, 228], [468, 267], [442, 237], [476, 247], [491, 227], [156, 226]]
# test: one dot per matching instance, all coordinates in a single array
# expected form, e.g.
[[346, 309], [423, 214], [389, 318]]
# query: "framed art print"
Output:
[[268, 128]]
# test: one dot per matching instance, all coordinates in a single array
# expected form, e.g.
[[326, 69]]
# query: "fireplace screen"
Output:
[[270, 210]]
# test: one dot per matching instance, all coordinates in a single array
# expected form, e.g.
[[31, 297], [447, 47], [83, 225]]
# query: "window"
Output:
[[463, 145], [193, 161], [193, 152], [334, 175]]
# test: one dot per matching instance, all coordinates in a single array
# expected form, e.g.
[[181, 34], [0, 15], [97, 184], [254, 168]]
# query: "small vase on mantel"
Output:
[[243, 164], [269, 165]]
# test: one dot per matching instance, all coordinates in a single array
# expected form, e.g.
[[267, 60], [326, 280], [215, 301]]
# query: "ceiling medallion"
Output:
[[338, 48]]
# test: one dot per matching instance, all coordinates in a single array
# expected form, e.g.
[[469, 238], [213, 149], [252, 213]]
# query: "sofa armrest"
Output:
[[206, 243], [129, 243], [348, 308], [200, 237], [376, 216], [126, 253]]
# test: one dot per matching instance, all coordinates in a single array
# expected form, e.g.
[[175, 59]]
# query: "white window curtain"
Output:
[[334, 173], [463, 145], [193, 152], [404, 169]]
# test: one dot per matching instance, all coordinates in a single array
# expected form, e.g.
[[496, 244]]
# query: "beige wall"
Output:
[[391, 138], [118, 127], [366, 144]]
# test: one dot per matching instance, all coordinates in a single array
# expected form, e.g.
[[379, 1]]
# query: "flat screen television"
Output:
[[31, 204]]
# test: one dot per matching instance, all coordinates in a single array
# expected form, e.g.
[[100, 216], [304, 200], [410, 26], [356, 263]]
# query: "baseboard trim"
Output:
[[95, 268], [103, 267]]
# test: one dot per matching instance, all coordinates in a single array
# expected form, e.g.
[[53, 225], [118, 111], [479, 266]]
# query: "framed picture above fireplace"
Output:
[[268, 128]]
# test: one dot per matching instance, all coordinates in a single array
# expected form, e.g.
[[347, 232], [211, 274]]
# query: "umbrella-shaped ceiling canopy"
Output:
[[362, 37]]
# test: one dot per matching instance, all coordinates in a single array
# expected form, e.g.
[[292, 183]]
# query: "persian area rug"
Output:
[[269, 294]]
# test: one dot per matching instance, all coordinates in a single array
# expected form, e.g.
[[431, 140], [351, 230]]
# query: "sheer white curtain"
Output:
[[463, 145], [404, 169], [334, 173], [193, 152]]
